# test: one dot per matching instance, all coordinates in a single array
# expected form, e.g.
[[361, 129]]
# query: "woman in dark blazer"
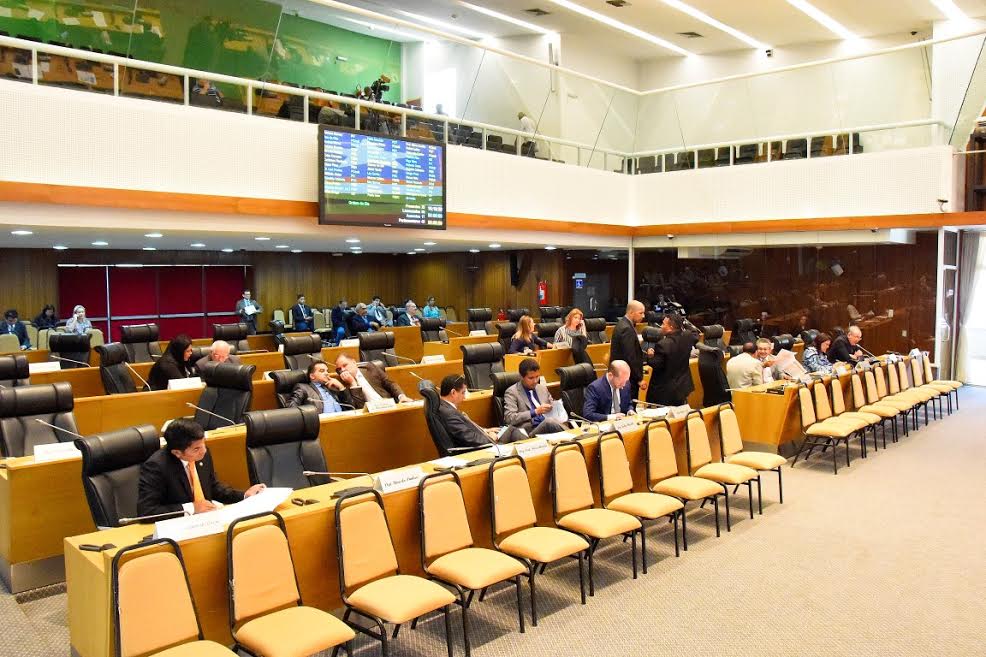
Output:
[[525, 340], [47, 319], [176, 363]]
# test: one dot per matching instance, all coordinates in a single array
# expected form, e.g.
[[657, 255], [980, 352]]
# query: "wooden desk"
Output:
[[311, 534], [451, 350], [407, 341], [35, 355], [549, 359], [434, 372], [457, 329], [599, 353]]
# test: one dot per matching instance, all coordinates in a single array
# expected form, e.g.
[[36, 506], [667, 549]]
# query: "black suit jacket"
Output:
[[379, 381], [625, 346], [165, 369], [461, 431], [163, 486], [841, 350], [301, 313], [671, 380], [18, 330], [305, 393]]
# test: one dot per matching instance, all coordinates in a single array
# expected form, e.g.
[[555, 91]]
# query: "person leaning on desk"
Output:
[[182, 473]]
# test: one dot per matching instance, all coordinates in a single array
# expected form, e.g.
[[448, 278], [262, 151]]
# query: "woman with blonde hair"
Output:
[[574, 325], [525, 340]]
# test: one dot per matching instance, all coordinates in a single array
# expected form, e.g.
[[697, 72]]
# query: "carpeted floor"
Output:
[[884, 559]]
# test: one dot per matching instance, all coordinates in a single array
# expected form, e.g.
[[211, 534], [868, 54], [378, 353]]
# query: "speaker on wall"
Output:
[[514, 270]]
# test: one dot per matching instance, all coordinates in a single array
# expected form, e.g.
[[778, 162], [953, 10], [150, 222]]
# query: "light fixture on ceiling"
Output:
[[355, 248], [283, 246], [419, 250], [382, 28], [60, 247], [507, 19], [100, 243], [153, 235], [21, 233], [148, 248], [494, 245], [473, 250], [196, 245], [262, 239], [336, 255], [623, 27], [822, 18], [550, 248], [295, 250], [352, 240], [708, 20], [227, 250], [430, 243], [451, 27], [951, 10], [412, 253]]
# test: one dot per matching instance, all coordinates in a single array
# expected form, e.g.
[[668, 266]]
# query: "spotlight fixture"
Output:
[[494, 245], [196, 245], [22, 232], [100, 243], [153, 235], [227, 250], [59, 247]]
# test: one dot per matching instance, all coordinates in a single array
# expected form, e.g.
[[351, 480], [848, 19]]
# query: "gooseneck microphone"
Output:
[[69, 360], [154, 517], [315, 473], [451, 332], [48, 424], [137, 374], [590, 422], [199, 408]]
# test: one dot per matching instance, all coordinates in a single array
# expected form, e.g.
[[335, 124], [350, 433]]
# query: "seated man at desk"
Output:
[[367, 382], [526, 402], [844, 349], [182, 473], [218, 354], [327, 394], [744, 370], [461, 430], [608, 397], [12, 325], [765, 354]]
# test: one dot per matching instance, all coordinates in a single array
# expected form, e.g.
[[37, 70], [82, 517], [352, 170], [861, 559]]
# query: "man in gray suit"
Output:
[[247, 309], [526, 402]]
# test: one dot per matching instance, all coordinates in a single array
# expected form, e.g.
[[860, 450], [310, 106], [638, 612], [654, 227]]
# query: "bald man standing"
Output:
[[625, 346]]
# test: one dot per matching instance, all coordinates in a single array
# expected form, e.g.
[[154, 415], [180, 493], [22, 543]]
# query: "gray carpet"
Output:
[[884, 559]]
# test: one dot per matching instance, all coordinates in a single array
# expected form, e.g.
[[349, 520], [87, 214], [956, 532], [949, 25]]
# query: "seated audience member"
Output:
[[377, 313], [815, 358], [205, 87], [462, 431], [218, 354], [745, 369], [78, 323], [768, 327], [182, 473], [526, 402], [430, 310], [367, 382], [46, 319], [410, 315], [325, 393], [359, 322], [301, 315], [574, 325], [525, 340], [339, 320], [804, 324], [608, 397], [843, 348], [501, 315], [176, 363], [12, 325], [765, 354]]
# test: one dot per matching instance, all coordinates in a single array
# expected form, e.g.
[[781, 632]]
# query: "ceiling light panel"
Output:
[[822, 18], [507, 19], [623, 27], [451, 27], [719, 25], [951, 10]]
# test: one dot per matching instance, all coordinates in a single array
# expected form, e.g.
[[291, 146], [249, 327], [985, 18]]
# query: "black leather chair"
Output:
[[234, 334], [378, 346], [69, 345], [572, 382], [228, 393], [477, 318], [284, 383], [547, 330], [433, 330], [111, 470], [14, 371], [479, 362], [595, 329], [652, 335], [198, 353], [710, 373], [514, 314], [502, 381], [808, 337], [550, 313], [713, 336], [744, 331], [281, 444], [141, 342], [301, 350], [113, 369], [783, 341], [21, 407], [439, 436], [505, 333], [277, 330]]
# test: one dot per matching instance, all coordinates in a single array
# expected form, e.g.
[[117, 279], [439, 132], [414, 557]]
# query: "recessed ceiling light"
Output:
[[473, 250], [451, 27], [153, 235], [283, 246], [629, 29], [59, 247], [227, 250], [708, 20], [352, 240], [494, 245], [100, 243], [419, 250], [355, 248], [550, 248], [412, 253], [337, 255], [197, 245], [22, 232], [262, 239], [507, 19], [383, 28], [295, 250], [148, 248], [951, 11], [821, 17]]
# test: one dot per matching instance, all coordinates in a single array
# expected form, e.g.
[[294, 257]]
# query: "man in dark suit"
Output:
[[13, 326], [410, 315], [248, 308], [843, 348], [625, 346], [182, 473], [301, 315], [526, 402], [608, 397], [671, 378], [461, 430], [339, 318], [367, 382], [325, 393], [359, 321]]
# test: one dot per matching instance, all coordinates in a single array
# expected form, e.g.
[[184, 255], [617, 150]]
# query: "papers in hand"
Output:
[[249, 310], [215, 522], [557, 412]]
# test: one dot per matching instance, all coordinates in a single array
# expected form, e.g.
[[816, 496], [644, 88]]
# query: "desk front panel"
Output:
[[452, 350], [407, 341], [549, 359]]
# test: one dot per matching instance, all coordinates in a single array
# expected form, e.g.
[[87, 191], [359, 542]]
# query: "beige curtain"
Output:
[[970, 361]]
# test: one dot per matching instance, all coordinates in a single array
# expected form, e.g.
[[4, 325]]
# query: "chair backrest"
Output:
[[783, 341], [659, 452], [501, 382], [743, 331], [113, 369], [881, 382], [651, 336], [432, 401], [905, 383], [570, 487], [433, 329], [141, 342], [510, 497], [550, 313], [712, 336], [547, 330], [730, 438], [228, 393], [697, 439], [111, 469], [838, 399], [514, 314], [365, 548], [653, 318], [872, 393], [234, 334], [442, 515], [614, 467], [284, 383], [893, 379], [378, 345], [928, 375], [147, 588], [477, 318], [72, 346], [14, 371], [260, 569], [917, 371], [715, 387], [21, 407], [301, 350], [505, 333], [858, 392], [573, 381], [823, 409], [9, 342], [808, 337], [595, 329], [479, 362], [281, 445]]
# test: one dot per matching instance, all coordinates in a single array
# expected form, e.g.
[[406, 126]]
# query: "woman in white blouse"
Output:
[[574, 325]]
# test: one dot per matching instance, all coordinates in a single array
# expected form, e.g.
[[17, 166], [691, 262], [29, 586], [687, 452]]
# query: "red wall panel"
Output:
[[179, 290], [82, 285], [193, 326], [133, 291], [223, 288]]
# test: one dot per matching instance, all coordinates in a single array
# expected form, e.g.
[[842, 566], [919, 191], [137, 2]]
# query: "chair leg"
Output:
[[715, 505], [448, 630], [582, 575], [835, 458], [592, 579], [684, 526], [633, 552], [643, 547], [729, 524], [780, 484], [520, 603], [749, 490], [677, 551], [759, 495], [534, 606]]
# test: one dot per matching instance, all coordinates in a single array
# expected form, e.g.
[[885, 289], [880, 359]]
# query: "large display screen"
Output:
[[374, 180]]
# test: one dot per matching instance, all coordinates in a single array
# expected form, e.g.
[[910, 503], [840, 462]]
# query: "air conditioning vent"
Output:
[[691, 35], [536, 11]]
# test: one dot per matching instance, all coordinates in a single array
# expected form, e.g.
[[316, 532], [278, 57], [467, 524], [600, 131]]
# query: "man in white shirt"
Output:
[[528, 126], [367, 383]]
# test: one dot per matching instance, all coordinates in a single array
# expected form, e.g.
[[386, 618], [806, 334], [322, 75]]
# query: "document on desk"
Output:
[[215, 522], [788, 363]]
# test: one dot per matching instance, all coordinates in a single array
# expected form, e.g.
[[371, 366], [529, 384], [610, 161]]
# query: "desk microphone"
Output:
[[69, 360], [314, 473], [48, 424], [590, 422], [410, 360], [451, 332], [199, 408], [155, 517], [649, 404], [865, 351], [136, 374]]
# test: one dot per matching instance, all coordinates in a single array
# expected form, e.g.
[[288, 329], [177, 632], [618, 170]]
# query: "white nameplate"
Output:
[[532, 447], [280, 348], [679, 411], [37, 368], [437, 358], [380, 405], [55, 452], [475, 333], [351, 342], [654, 413], [180, 529], [624, 425], [558, 437], [185, 384], [394, 480], [322, 416], [449, 462]]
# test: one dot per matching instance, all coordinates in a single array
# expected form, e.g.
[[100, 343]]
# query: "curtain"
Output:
[[970, 361]]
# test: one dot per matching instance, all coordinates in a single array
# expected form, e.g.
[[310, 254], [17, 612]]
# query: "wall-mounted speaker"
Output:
[[514, 270]]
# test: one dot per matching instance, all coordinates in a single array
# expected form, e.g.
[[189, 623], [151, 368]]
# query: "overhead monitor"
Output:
[[375, 180]]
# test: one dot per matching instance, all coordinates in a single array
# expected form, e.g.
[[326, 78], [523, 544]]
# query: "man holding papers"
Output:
[[526, 403], [247, 308], [182, 473]]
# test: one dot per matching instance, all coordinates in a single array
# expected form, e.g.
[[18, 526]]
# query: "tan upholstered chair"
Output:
[[873, 420], [886, 412], [448, 553], [930, 379], [663, 477], [370, 581], [700, 462], [9, 344], [574, 509], [149, 586], [825, 433], [514, 525], [823, 412], [266, 614], [648, 372], [907, 404], [900, 386], [616, 491], [943, 389], [732, 450]]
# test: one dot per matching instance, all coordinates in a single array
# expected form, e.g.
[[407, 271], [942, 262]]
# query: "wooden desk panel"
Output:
[[549, 359], [457, 329], [263, 341], [599, 353], [452, 350], [37, 355], [110, 412], [434, 372], [407, 341]]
